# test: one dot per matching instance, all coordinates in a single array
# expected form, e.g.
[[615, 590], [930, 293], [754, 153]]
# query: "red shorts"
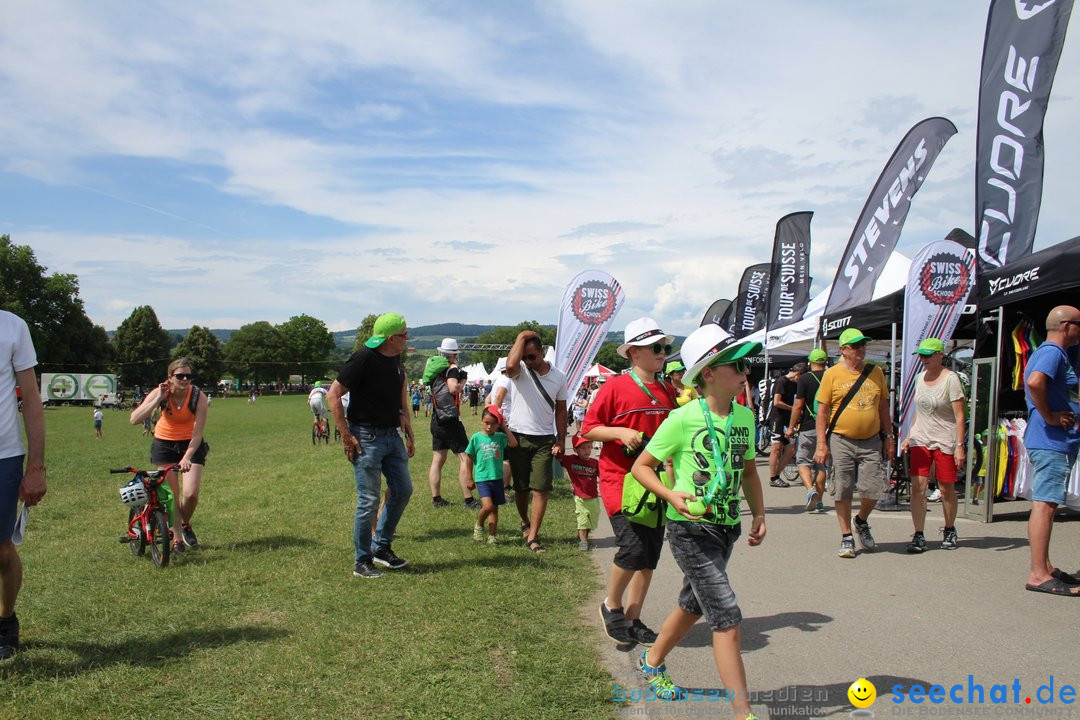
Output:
[[921, 458]]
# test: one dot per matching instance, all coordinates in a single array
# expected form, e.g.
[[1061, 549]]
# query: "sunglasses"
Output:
[[182, 376], [530, 358], [659, 349], [740, 366], [857, 345]]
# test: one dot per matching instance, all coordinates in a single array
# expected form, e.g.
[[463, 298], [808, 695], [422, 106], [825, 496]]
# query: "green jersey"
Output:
[[487, 453], [684, 437]]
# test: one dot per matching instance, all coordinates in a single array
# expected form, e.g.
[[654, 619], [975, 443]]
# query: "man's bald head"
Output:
[[1061, 315]]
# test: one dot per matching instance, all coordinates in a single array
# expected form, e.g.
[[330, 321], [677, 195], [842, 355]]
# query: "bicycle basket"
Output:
[[134, 494]]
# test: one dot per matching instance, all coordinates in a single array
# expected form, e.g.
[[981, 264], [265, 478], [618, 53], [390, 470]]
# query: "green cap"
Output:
[[817, 355], [388, 324], [673, 367], [852, 336], [929, 346]]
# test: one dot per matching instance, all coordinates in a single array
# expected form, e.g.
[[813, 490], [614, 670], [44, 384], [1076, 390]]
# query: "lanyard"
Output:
[[720, 482], [646, 390]]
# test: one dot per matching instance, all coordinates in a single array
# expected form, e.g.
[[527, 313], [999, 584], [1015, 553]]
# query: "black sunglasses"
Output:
[[740, 366], [182, 376], [857, 345], [659, 349]]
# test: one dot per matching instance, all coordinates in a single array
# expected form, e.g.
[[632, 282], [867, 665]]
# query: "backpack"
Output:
[[193, 400], [813, 409]]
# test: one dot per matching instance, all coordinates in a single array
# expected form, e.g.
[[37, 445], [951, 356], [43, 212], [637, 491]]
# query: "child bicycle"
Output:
[[148, 517], [320, 430]]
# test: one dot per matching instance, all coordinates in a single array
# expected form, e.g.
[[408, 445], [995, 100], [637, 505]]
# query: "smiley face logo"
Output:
[[862, 693]]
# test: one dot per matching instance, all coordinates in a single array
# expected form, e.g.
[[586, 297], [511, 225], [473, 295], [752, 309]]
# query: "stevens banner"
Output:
[[939, 283], [789, 281], [1020, 58], [878, 229], [591, 301]]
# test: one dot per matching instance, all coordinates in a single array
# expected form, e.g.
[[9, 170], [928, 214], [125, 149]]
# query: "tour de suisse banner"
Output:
[[789, 283], [716, 312], [939, 283], [751, 305], [61, 387], [878, 228], [589, 305], [1020, 58]]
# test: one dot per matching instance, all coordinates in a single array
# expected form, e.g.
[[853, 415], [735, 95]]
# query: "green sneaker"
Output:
[[658, 679]]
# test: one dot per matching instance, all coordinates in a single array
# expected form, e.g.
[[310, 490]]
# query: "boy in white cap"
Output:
[[627, 411], [710, 443], [447, 431]]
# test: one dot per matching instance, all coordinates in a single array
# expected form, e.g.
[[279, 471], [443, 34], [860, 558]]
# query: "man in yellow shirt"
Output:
[[855, 442]]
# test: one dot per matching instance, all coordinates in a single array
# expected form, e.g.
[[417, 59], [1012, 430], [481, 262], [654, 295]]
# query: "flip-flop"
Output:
[[535, 546], [1053, 587], [1067, 578]]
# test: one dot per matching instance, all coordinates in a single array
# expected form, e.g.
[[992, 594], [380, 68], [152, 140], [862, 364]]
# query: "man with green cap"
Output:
[[370, 434], [858, 396], [804, 423]]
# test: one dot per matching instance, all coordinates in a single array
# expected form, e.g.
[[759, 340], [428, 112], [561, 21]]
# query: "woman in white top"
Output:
[[936, 438]]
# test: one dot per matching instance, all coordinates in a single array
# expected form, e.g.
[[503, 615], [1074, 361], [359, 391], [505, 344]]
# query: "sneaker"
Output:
[[492, 540], [810, 495], [366, 570], [640, 632], [584, 545], [862, 531], [439, 502], [478, 533], [847, 548], [473, 504], [950, 541], [616, 625], [935, 496], [658, 679], [189, 535], [821, 507], [9, 637], [777, 482], [386, 557], [917, 544]]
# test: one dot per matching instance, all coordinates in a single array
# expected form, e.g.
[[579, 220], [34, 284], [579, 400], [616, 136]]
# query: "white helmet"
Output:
[[134, 494]]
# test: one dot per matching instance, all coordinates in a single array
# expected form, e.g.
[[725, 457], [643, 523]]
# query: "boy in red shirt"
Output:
[[584, 473]]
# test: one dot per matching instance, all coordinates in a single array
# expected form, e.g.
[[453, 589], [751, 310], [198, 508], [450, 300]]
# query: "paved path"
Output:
[[814, 623]]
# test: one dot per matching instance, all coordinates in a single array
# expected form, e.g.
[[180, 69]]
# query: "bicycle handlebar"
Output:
[[162, 471]]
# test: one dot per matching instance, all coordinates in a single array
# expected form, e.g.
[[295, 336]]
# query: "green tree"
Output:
[[505, 335], [609, 357], [141, 348], [307, 346], [204, 350], [255, 353], [365, 331], [64, 337]]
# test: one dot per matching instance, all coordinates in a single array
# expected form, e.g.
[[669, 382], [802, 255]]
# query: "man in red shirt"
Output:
[[625, 415]]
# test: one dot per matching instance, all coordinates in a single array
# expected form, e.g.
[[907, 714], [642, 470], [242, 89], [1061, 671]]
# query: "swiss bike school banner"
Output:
[[751, 305], [878, 228], [591, 301], [789, 281], [716, 312], [1020, 57], [940, 280]]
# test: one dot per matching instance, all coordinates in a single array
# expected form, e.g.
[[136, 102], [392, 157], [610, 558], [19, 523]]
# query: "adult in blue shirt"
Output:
[[1052, 439]]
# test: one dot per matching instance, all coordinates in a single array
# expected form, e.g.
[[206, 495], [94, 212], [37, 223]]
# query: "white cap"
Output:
[[449, 346]]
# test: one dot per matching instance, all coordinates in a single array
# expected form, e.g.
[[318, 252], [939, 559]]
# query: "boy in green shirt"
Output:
[[711, 444], [484, 458]]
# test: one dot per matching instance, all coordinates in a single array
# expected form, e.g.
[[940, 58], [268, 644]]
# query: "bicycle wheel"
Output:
[[137, 545], [314, 435], [326, 436], [160, 545]]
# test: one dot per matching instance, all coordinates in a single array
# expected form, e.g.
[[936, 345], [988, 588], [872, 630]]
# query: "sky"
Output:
[[230, 162]]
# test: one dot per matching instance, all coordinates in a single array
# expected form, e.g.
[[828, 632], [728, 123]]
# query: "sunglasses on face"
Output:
[[182, 376], [740, 366], [659, 349], [530, 357], [857, 346]]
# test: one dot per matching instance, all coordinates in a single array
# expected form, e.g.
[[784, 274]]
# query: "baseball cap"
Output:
[[817, 355], [674, 366], [386, 325], [929, 346], [579, 440], [852, 336], [494, 410], [643, 331], [711, 343]]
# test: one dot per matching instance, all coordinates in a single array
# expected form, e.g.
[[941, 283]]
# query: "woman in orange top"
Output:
[[178, 440]]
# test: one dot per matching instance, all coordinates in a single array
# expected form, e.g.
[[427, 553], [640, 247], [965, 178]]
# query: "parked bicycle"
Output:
[[148, 515]]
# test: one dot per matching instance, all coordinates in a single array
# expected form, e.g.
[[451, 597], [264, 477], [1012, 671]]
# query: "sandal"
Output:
[[1053, 587], [1067, 578], [525, 528], [535, 546]]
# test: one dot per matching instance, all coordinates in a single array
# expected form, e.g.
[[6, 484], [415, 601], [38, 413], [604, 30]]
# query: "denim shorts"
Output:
[[639, 545], [11, 473], [702, 551], [493, 489], [1052, 470]]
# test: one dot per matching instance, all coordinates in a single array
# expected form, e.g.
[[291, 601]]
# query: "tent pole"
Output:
[[892, 380]]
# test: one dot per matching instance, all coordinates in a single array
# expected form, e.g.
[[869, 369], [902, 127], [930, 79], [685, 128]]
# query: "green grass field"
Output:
[[264, 619]]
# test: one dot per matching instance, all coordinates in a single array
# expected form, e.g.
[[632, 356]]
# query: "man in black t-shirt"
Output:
[[783, 396], [447, 430], [370, 435], [803, 428]]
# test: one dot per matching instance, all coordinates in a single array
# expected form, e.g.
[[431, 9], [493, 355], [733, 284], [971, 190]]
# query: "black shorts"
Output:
[[448, 435], [776, 430], [639, 545], [169, 452]]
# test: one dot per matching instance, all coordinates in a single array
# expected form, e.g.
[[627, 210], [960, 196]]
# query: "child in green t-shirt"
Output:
[[484, 457], [710, 442]]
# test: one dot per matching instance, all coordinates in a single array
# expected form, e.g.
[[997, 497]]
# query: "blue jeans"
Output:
[[384, 454], [1052, 470]]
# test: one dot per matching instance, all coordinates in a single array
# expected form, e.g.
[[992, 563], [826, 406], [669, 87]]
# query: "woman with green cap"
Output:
[[674, 371]]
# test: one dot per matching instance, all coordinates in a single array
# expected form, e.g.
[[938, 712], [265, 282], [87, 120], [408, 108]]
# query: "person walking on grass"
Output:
[[484, 458], [855, 392], [371, 438], [17, 361], [584, 472], [538, 418], [710, 443], [1052, 439], [627, 411], [98, 418], [935, 439], [803, 429], [178, 440], [447, 381]]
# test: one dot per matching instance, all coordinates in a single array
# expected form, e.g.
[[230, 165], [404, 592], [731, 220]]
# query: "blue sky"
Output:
[[233, 162]]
